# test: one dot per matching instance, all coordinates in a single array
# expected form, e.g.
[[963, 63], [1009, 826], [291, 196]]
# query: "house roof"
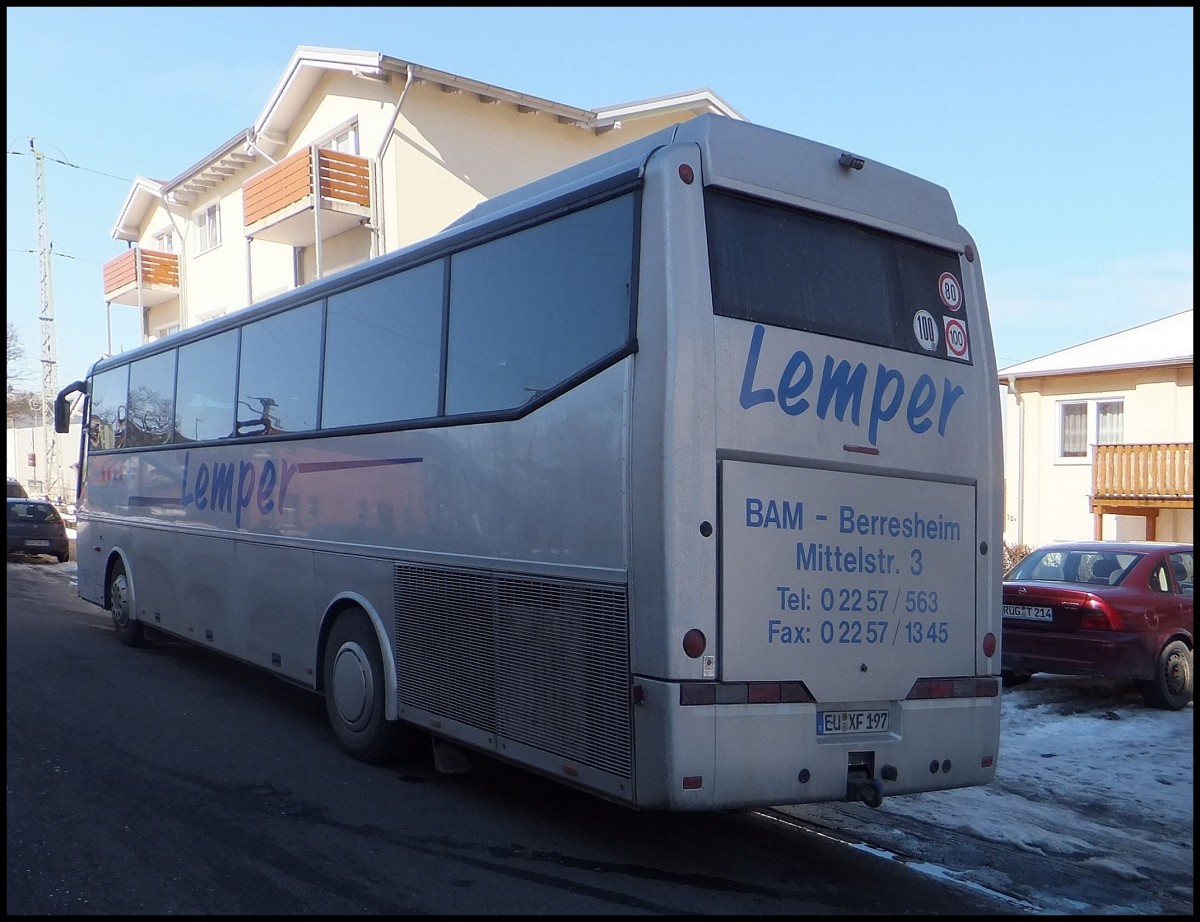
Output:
[[1160, 342], [309, 64]]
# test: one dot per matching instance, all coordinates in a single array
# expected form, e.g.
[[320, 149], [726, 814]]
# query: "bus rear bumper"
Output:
[[744, 756]]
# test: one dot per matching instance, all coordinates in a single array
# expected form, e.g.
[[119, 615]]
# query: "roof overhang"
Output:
[[200, 178], [143, 195], [1007, 377], [270, 133]]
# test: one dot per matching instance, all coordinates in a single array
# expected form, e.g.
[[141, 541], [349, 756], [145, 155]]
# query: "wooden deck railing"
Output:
[[343, 178], [1151, 474], [157, 269]]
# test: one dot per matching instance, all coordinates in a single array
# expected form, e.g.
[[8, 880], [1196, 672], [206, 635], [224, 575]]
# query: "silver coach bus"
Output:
[[674, 476]]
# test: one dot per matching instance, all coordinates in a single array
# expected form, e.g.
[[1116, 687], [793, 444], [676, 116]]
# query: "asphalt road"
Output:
[[170, 780]]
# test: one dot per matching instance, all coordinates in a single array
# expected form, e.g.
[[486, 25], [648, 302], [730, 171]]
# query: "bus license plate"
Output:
[[832, 723], [1028, 613], [36, 542]]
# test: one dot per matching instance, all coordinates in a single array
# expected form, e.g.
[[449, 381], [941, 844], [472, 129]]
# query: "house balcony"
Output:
[[313, 192], [141, 278], [1141, 480]]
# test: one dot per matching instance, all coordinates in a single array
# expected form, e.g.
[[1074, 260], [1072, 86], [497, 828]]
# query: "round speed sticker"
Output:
[[926, 330], [950, 291]]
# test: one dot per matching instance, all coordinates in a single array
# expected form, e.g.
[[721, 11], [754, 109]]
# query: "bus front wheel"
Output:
[[120, 595], [355, 692]]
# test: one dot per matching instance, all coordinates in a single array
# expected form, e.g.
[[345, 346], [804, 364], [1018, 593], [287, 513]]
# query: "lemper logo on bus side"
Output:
[[842, 386]]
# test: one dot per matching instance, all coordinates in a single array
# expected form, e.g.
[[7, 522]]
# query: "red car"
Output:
[[1114, 609]]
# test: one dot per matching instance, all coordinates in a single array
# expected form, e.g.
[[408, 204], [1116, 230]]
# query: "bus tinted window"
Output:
[[151, 400], [106, 426], [792, 268], [279, 372], [383, 347], [207, 370], [532, 309]]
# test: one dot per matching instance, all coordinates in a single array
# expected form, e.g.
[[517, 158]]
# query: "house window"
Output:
[[208, 222], [165, 242], [345, 141], [1110, 422], [1083, 423]]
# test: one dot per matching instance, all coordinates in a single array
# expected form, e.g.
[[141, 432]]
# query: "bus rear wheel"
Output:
[[355, 693], [120, 594]]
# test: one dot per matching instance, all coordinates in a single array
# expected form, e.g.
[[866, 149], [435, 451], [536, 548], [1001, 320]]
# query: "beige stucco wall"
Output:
[[1048, 498], [448, 152]]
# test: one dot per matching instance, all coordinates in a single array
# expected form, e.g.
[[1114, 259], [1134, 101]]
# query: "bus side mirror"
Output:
[[63, 404]]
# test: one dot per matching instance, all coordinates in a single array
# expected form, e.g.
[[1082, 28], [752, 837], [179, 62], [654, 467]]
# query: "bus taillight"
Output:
[[965, 687]]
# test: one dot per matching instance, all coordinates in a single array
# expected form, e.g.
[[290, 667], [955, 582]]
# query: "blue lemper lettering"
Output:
[[843, 387]]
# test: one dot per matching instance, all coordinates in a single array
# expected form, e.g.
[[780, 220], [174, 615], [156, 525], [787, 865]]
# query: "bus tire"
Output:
[[1171, 687], [120, 595], [355, 692]]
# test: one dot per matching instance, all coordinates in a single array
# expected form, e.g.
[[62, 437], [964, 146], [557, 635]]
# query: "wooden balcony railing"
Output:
[[149, 270], [1140, 480], [1152, 474], [343, 178]]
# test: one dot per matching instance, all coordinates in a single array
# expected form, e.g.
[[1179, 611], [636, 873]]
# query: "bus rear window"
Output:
[[788, 267]]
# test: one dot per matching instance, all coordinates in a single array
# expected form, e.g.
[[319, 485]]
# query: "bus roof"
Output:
[[742, 155]]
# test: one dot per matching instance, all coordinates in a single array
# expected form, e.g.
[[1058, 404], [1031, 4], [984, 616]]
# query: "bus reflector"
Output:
[[693, 783], [989, 644], [694, 643]]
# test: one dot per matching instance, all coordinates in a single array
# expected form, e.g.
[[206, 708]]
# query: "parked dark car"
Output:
[[16, 488], [1117, 610], [35, 527]]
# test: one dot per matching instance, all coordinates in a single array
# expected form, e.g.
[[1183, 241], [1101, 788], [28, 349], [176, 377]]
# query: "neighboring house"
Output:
[[25, 450], [1098, 438], [355, 154]]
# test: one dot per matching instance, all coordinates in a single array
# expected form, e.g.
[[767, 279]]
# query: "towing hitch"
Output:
[[868, 790]]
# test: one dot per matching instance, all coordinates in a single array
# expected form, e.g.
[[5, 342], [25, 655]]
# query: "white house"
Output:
[[1098, 438]]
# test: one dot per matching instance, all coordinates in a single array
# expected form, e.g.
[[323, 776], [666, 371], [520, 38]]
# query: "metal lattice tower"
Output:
[[53, 481]]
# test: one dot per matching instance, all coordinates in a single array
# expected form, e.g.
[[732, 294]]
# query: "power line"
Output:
[[54, 252], [74, 166]]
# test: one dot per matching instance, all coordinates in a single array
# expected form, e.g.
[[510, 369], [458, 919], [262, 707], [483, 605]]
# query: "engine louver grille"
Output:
[[538, 661]]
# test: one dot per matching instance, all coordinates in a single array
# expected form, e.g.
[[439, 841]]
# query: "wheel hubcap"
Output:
[[1176, 674], [120, 601], [351, 686]]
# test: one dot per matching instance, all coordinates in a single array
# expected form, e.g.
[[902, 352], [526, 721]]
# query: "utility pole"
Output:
[[53, 479]]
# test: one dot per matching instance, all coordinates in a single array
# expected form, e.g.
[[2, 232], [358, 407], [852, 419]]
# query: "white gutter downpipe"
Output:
[[183, 314], [379, 237], [250, 145], [1011, 384]]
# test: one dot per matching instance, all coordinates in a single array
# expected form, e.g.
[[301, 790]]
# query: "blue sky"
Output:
[[1063, 135]]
